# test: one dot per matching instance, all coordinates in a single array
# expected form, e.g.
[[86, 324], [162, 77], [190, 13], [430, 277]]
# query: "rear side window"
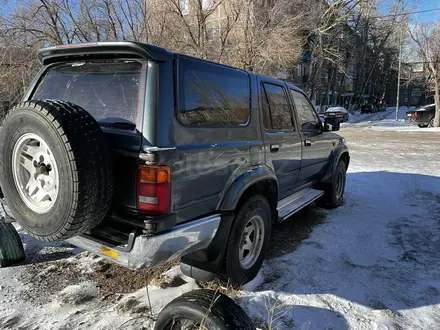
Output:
[[276, 109], [109, 91], [212, 95]]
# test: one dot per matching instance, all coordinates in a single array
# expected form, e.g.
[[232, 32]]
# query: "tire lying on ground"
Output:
[[56, 169], [203, 309], [11, 247]]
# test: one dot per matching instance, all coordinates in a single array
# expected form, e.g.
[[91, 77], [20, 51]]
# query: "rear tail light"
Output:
[[338, 113], [153, 189], [416, 115]]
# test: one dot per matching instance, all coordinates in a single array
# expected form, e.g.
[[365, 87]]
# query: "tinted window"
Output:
[[212, 95], [107, 90], [307, 115], [276, 109]]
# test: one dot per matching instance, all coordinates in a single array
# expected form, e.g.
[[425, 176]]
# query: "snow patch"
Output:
[[78, 294]]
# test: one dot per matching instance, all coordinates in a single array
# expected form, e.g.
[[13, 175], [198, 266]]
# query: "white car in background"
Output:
[[337, 112]]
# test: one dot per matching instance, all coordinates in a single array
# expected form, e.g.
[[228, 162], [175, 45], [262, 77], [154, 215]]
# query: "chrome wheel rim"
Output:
[[251, 242], [339, 184], [35, 173]]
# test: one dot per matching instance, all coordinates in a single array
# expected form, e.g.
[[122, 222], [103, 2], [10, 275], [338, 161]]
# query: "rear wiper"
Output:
[[119, 124]]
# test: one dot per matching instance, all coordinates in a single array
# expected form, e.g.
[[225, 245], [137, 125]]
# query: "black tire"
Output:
[[233, 271], [422, 126], [11, 247], [84, 164], [431, 122], [334, 197], [205, 309]]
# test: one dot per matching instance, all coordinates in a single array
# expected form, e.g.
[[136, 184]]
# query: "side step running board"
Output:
[[296, 202]]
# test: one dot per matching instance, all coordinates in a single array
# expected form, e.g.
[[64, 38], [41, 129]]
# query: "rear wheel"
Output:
[[248, 241], [203, 309], [57, 169]]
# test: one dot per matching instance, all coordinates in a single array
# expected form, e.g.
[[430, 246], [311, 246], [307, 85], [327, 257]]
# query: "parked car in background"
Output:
[[337, 112], [423, 117], [409, 116], [368, 108]]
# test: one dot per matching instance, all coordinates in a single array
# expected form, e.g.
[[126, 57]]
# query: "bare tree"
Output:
[[427, 39], [270, 37], [18, 66], [328, 37]]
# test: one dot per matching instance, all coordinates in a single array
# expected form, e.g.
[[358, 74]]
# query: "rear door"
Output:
[[282, 142], [317, 145]]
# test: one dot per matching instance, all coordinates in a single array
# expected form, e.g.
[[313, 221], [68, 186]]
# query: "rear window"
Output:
[[109, 91], [212, 95]]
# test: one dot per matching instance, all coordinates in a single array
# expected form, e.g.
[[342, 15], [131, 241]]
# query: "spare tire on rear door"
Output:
[[56, 169]]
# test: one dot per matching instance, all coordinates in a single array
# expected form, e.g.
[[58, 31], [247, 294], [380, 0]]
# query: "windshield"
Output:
[[108, 90]]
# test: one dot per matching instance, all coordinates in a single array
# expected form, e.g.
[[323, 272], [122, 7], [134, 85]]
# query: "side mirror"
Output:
[[331, 124], [311, 126]]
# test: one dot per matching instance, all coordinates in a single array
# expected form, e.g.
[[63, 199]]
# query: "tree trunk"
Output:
[[329, 85], [340, 98], [333, 100]]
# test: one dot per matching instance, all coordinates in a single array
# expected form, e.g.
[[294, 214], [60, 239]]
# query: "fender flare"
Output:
[[340, 152], [235, 190]]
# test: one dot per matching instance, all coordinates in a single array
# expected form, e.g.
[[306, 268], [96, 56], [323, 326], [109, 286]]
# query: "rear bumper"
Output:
[[150, 251]]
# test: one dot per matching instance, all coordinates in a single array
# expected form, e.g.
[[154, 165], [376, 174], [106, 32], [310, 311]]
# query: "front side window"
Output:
[[212, 94], [276, 109], [108, 90], [308, 118]]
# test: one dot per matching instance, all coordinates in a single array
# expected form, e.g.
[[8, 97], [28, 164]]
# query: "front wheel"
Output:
[[431, 123], [334, 191], [248, 241]]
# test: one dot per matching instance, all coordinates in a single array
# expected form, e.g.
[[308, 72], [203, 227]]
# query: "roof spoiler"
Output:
[[87, 50]]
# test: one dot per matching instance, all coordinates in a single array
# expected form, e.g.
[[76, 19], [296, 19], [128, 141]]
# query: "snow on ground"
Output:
[[373, 263], [386, 121]]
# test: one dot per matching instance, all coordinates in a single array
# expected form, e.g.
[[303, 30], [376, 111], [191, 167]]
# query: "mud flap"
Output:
[[204, 265]]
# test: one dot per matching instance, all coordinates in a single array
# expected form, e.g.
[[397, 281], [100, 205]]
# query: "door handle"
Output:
[[307, 143], [274, 147]]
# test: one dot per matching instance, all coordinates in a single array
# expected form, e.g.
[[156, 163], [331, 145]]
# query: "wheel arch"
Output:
[[341, 153], [260, 180], [205, 264]]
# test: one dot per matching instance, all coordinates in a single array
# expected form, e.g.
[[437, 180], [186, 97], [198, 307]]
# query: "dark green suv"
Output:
[[142, 156]]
